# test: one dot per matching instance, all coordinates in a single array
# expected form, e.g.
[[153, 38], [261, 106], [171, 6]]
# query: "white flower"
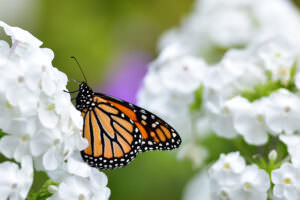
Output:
[[254, 184], [224, 120], [75, 187], [227, 169], [249, 121], [15, 183], [200, 31], [286, 182], [282, 112], [195, 153], [198, 187], [278, 57], [231, 76], [293, 146], [38, 117], [169, 88], [232, 179], [73, 166], [236, 33], [297, 79]]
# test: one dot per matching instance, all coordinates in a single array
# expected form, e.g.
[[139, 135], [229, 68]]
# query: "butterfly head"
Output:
[[84, 97]]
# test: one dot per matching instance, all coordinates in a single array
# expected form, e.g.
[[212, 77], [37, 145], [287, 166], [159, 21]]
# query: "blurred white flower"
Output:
[[209, 30], [232, 179], [293, 146], [228, 78], [223, 123], [286, 181], [227, 170], [254, 184], [169, 88], [297, 79], [249, 121], [15, 183], [198, 188], [194, 152], [278, 57], [282, 112]]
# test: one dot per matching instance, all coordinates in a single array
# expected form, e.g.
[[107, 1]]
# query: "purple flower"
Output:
[[127, 77]]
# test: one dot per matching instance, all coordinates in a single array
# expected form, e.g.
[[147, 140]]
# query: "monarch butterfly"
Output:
[[117, 130]]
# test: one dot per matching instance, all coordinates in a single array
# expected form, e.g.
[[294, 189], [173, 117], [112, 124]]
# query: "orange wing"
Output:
[[156, 134], [114, 139]]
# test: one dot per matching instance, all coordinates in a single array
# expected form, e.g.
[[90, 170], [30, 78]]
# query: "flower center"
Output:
[[277, 55], [260, 118], [51, 107], [287, 109], [21, 79], [224, 195], [226, 110], [287, 181], [81, 197], [14, 186], [185, 68], [247, 186], [56, 142], [282, 71], [25, 138], [8, 105], [174, 96], [226, 166]]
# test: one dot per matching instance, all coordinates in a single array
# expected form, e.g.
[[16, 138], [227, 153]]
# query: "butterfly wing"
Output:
[[156, 133], [114, 139]]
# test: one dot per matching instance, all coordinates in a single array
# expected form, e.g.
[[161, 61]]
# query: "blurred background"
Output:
[[113, 40]]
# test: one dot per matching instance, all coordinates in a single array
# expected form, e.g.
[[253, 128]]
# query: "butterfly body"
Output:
[[117, 130]]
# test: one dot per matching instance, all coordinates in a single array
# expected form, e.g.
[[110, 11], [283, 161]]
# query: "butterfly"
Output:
[[117, 130]]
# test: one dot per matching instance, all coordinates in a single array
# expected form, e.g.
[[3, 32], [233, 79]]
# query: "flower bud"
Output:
[[272, 155]]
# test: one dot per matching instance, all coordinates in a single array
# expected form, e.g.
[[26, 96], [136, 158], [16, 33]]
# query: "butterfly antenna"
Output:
[[73, 57]]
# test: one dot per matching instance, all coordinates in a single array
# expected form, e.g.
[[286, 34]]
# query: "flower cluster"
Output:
[[37, 116], [216, 26], [240, 80], [234, 104], [233, 179]]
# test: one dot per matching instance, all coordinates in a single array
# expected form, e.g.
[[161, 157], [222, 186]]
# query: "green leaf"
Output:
[[43, 193], [293, 70], [261, 90], [197, 99], [2, 133]]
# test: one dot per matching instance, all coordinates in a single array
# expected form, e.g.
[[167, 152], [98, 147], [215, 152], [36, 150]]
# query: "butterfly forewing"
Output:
[[113, 139]]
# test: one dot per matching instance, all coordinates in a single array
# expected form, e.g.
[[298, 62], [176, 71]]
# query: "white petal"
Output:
[[39, 144], [77, 167], [48, 118], [20, 35], [50, 160], [8, 145]]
